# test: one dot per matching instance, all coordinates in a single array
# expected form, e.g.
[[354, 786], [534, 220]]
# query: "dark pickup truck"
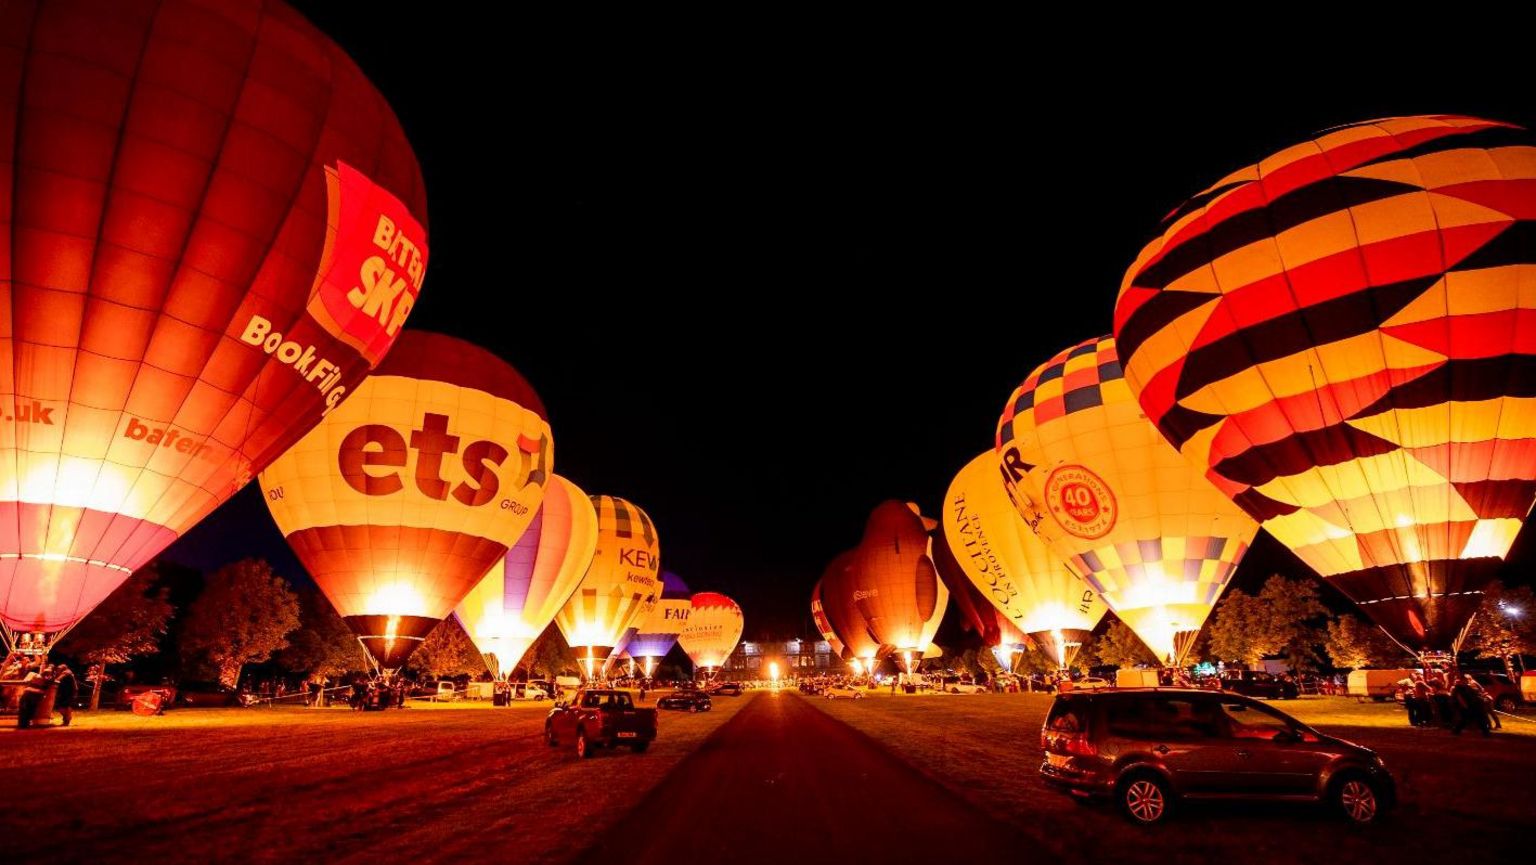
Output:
[[597, 718]]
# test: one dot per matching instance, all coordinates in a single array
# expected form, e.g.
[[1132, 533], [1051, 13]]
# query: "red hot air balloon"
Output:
[[976, 610], [837, 597], [895, 584], [215, 229]]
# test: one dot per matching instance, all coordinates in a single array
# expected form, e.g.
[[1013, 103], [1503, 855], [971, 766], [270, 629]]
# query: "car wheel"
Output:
[[1505, 703], [584, 747], [1144, 798], [694, 708], [639, 747], [858, 696], [1355, 797], [549, 737]]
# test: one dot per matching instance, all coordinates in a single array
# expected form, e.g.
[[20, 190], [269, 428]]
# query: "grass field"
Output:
[[463, 783], [1464, 799]]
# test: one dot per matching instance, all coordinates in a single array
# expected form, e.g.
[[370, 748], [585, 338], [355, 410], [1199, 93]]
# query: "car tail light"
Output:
[[1078, 744]]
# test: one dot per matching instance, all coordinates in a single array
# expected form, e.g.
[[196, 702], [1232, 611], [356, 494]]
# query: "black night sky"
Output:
[[765, 284]]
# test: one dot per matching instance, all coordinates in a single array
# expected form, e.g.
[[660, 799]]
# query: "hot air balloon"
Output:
[[895, 586], [1101, 487], [404, 496], [713, 630], [623, 578], [977, 614], [1011, 642], [1343, 339], [823, 624], [843, 614], [1012, 568], [508, 609], [215, 229], [659, 628]]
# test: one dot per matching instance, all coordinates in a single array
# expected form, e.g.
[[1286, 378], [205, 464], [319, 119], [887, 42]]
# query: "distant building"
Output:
[[794, 657]]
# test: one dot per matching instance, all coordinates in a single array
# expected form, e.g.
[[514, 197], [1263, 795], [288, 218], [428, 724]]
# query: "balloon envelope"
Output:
[[508, 609], [623, 578], [405, 495], [1343, 338], [824, 624], [1098, 483], [657, 631], [896, 588], [713, 630], [843, 614], [1004, 560], [194, 206]]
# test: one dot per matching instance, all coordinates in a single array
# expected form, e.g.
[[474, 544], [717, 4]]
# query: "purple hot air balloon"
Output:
[[658, 630]]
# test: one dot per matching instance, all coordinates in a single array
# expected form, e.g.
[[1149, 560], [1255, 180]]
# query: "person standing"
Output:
[[1489, 710], [64, 696], [1469, 706], [33, 686]]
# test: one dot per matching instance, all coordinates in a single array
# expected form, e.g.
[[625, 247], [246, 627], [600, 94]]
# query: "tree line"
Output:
[[246, 615]]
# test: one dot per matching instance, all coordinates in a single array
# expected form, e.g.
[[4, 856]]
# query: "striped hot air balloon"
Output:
[[1097, 482], [402, 499], [214, 228], [508, 609], [1343, 339], [824, 624], [659, 626], [713, 630], [623, 578], [1011, 567]]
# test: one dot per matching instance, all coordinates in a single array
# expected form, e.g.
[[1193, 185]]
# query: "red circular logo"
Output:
[[1080, 502]]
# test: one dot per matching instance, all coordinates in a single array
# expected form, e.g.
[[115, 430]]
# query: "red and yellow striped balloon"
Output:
[[1342, 337]]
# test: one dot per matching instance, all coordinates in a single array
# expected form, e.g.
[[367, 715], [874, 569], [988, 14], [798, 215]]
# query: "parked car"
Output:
[[600, 718], [205, 695], [1146, 749], [956, 686], [535, 691], [446, 692], [726, 689], [1257, 683], [1089, 683], [1505, 693], [688, 701], [849, 692], [809, 687]]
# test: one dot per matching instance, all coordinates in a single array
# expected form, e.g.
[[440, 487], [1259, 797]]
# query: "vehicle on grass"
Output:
[[956, 685], [809, 687], [727, 689], [534, 691], [1504, 693], [446, 692], [1088, 683], [844, 692], [686, 701], [1378, 685], [205, 695], [1257, 683], [1147, 749], [600, 718], [1137, 678]]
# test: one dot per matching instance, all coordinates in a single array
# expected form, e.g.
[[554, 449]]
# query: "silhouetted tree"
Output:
[[447, 651], [323, 644], [129, 623], [1505, 625], [1352, 642], [1120, 647], [243, 616]]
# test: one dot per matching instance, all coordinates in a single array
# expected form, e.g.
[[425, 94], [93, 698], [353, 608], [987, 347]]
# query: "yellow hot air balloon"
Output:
[[407, 493], [1343, 336], [621, 584], [508, 609], [1097, 481], [1011, 565], [712, 632]]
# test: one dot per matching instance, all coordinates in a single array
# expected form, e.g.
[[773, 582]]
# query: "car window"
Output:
[[1065, 717], [1181, 718], [591, 701], [620, 701], [1251, 721]]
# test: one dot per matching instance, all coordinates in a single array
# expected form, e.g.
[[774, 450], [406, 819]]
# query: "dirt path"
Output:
[[784, 782]]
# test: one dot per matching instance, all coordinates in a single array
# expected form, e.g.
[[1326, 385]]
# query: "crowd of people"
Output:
[[1454, 700], [30, 681]]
